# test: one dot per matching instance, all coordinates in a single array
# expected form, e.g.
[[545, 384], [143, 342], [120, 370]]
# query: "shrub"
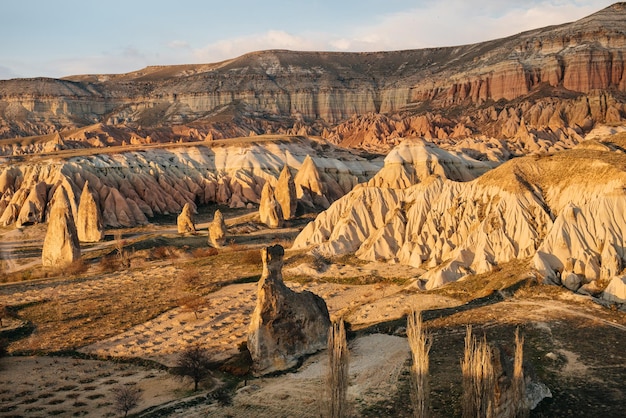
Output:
[[126, 397], [194, 362]]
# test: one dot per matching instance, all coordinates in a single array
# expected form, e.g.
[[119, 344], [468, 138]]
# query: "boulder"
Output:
[[285, 325], [217, 230], [286, 194], [616, 290], [89, 219], [60, 246], [270, 211], [185, 221], [571, 281]]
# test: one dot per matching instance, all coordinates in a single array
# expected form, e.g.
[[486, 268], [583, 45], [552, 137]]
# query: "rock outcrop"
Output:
[[89, 220], [616, 290], [129, 188], [310, 190], [270, 210], [565, 211], [285, 325], [285, 194], [185, 221], [217, 230], [60, 246]]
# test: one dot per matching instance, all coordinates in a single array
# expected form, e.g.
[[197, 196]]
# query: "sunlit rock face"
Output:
[[132, 187], [285, 325], [185, 222], [217, 230], [89, 218], [564, 212], [61, 246]]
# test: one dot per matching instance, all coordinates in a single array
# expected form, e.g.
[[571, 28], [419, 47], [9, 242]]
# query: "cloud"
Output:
[[176, 44], [7, 73], [272, 39]]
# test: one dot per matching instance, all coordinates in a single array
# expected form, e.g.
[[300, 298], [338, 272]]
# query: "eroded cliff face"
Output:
[[564, 211], [306, 92], [131, 187]]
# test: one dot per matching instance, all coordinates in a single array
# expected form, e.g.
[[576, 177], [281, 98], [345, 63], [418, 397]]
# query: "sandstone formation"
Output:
[[217, 230], [286, 194], [309, 187], [285, 325], [415, 160], [185, 221], [562, 80], [270, 211], [616, 290], [131, 187], [60, 246], [565, 211], [89, 220]]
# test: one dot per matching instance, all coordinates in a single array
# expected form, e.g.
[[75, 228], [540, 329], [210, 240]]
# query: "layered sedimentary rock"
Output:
[[565, 211], [131, 187], [60, 246], [307, 92], [285, 325], [217, 230], [89, 218]]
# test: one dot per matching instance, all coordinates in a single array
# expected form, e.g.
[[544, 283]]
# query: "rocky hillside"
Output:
[[130, 187], [565, 211], [546, 86]]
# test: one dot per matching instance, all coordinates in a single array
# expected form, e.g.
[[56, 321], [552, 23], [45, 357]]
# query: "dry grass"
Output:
[[479, 380], [338, 376], [420, 344], [518, 384]]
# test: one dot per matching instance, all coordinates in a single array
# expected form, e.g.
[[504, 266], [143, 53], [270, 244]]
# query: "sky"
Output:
[[56, 38]]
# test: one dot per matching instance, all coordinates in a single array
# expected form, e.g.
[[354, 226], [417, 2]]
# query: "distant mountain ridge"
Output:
[[460, 90]]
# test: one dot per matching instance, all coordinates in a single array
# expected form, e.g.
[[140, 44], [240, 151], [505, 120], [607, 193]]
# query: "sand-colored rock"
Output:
[[131, 187], [217, 230], [616, 290], [416, 159], [89, 220], [61, 246], [270, 210], [567, 217], [185, 221], [285, 194], [33, 209], [285, 325], [310, 190]]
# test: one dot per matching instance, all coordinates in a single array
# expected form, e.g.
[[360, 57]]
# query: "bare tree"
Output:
[[338, 365], [194, 362], [420, 344], [126, 397]]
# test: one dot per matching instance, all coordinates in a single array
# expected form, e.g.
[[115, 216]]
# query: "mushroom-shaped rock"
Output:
[[217, 230], [185, 221], [286, 194], [89, 219], [269, 208], [285, 325], [60, 246]]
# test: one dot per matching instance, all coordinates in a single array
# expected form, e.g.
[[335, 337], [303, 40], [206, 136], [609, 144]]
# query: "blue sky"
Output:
[[64, 37]]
